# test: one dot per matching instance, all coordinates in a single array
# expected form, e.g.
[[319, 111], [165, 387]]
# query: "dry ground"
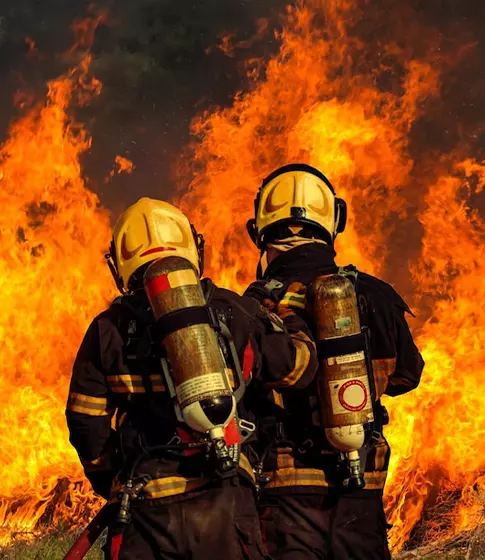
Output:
[[54, 546]]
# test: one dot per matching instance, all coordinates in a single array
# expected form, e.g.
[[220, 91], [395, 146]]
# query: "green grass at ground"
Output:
[[55, 546], [51, 547]]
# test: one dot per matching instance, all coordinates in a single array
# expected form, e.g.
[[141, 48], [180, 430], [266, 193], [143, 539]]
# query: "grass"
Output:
[[55, 545], [51, 547]]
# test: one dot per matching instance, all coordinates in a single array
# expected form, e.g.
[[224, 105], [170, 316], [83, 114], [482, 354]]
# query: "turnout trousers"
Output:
[[324, 527], [208, 524]]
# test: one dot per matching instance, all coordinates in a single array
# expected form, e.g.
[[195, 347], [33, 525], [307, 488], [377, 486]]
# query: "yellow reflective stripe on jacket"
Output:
[[85, 404], [381, 453], [284, 458], [174, 485], [282, 478], [171, 486], [127, 383], [292, 299], [302, 359], [375, 480], [102, 463], [157, 383], [382, 369]]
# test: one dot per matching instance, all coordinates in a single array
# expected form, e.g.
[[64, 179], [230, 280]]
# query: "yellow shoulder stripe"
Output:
[[292, 299]]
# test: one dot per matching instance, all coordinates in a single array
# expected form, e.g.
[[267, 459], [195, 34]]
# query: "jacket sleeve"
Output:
[[89, 412], [409, 362], [288, 353], [397, 363]]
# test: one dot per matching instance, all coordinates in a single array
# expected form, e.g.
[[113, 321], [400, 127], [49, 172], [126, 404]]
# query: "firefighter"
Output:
[[175, 500], [309, 509]]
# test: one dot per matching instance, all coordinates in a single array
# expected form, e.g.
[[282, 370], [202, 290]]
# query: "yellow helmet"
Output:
[[296, 195], [149, 230]]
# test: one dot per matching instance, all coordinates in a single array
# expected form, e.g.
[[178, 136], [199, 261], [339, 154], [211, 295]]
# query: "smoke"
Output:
[[159, 62], [162, 62]]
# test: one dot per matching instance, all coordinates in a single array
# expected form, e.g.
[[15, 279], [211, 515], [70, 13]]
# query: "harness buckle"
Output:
[[246, 429], [273, 284], [260, 477]]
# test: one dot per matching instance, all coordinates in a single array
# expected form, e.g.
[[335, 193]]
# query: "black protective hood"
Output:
[[309, 260]]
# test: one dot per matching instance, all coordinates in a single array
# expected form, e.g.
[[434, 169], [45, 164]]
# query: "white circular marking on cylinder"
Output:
[[352, 395]]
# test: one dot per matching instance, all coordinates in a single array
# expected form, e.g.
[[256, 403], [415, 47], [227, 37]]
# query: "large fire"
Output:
[[316, 103], [312, 102], [53, 280]]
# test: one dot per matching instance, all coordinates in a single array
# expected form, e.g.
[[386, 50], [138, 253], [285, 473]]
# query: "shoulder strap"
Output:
[[272, 285], [143, 315], [267, 289], [208, 288]]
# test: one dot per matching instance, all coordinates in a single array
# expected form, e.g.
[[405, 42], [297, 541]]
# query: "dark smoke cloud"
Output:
[[159, 64]]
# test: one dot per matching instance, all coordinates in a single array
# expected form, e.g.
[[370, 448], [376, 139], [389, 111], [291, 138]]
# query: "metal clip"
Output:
[[260, 477], [306, 446], [130, 491], [272, 285], [175, 440], [246, 429], [376, 438]]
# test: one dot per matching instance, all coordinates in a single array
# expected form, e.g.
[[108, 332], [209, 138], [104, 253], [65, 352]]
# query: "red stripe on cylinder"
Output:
[[156, 286], [231, 433], [248, 361]]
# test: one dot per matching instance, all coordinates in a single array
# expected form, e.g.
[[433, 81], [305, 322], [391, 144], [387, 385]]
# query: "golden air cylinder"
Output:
[[344, 382], [195, 369]]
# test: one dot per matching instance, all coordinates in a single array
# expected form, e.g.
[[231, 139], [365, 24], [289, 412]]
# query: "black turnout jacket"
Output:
[[118, 402], [297, 457]]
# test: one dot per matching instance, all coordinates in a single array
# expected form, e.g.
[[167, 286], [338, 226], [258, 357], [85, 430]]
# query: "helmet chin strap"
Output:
[[114, 272]]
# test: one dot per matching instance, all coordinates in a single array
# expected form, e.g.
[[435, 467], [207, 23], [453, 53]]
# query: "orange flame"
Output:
[[437, 436], [53, 280], [356, 133], [123, 165], [318, 103], [84, 30]]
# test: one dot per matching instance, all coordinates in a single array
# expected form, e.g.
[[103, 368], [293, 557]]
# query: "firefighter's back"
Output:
[[162, 475], [308, 504], [165, 365]]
